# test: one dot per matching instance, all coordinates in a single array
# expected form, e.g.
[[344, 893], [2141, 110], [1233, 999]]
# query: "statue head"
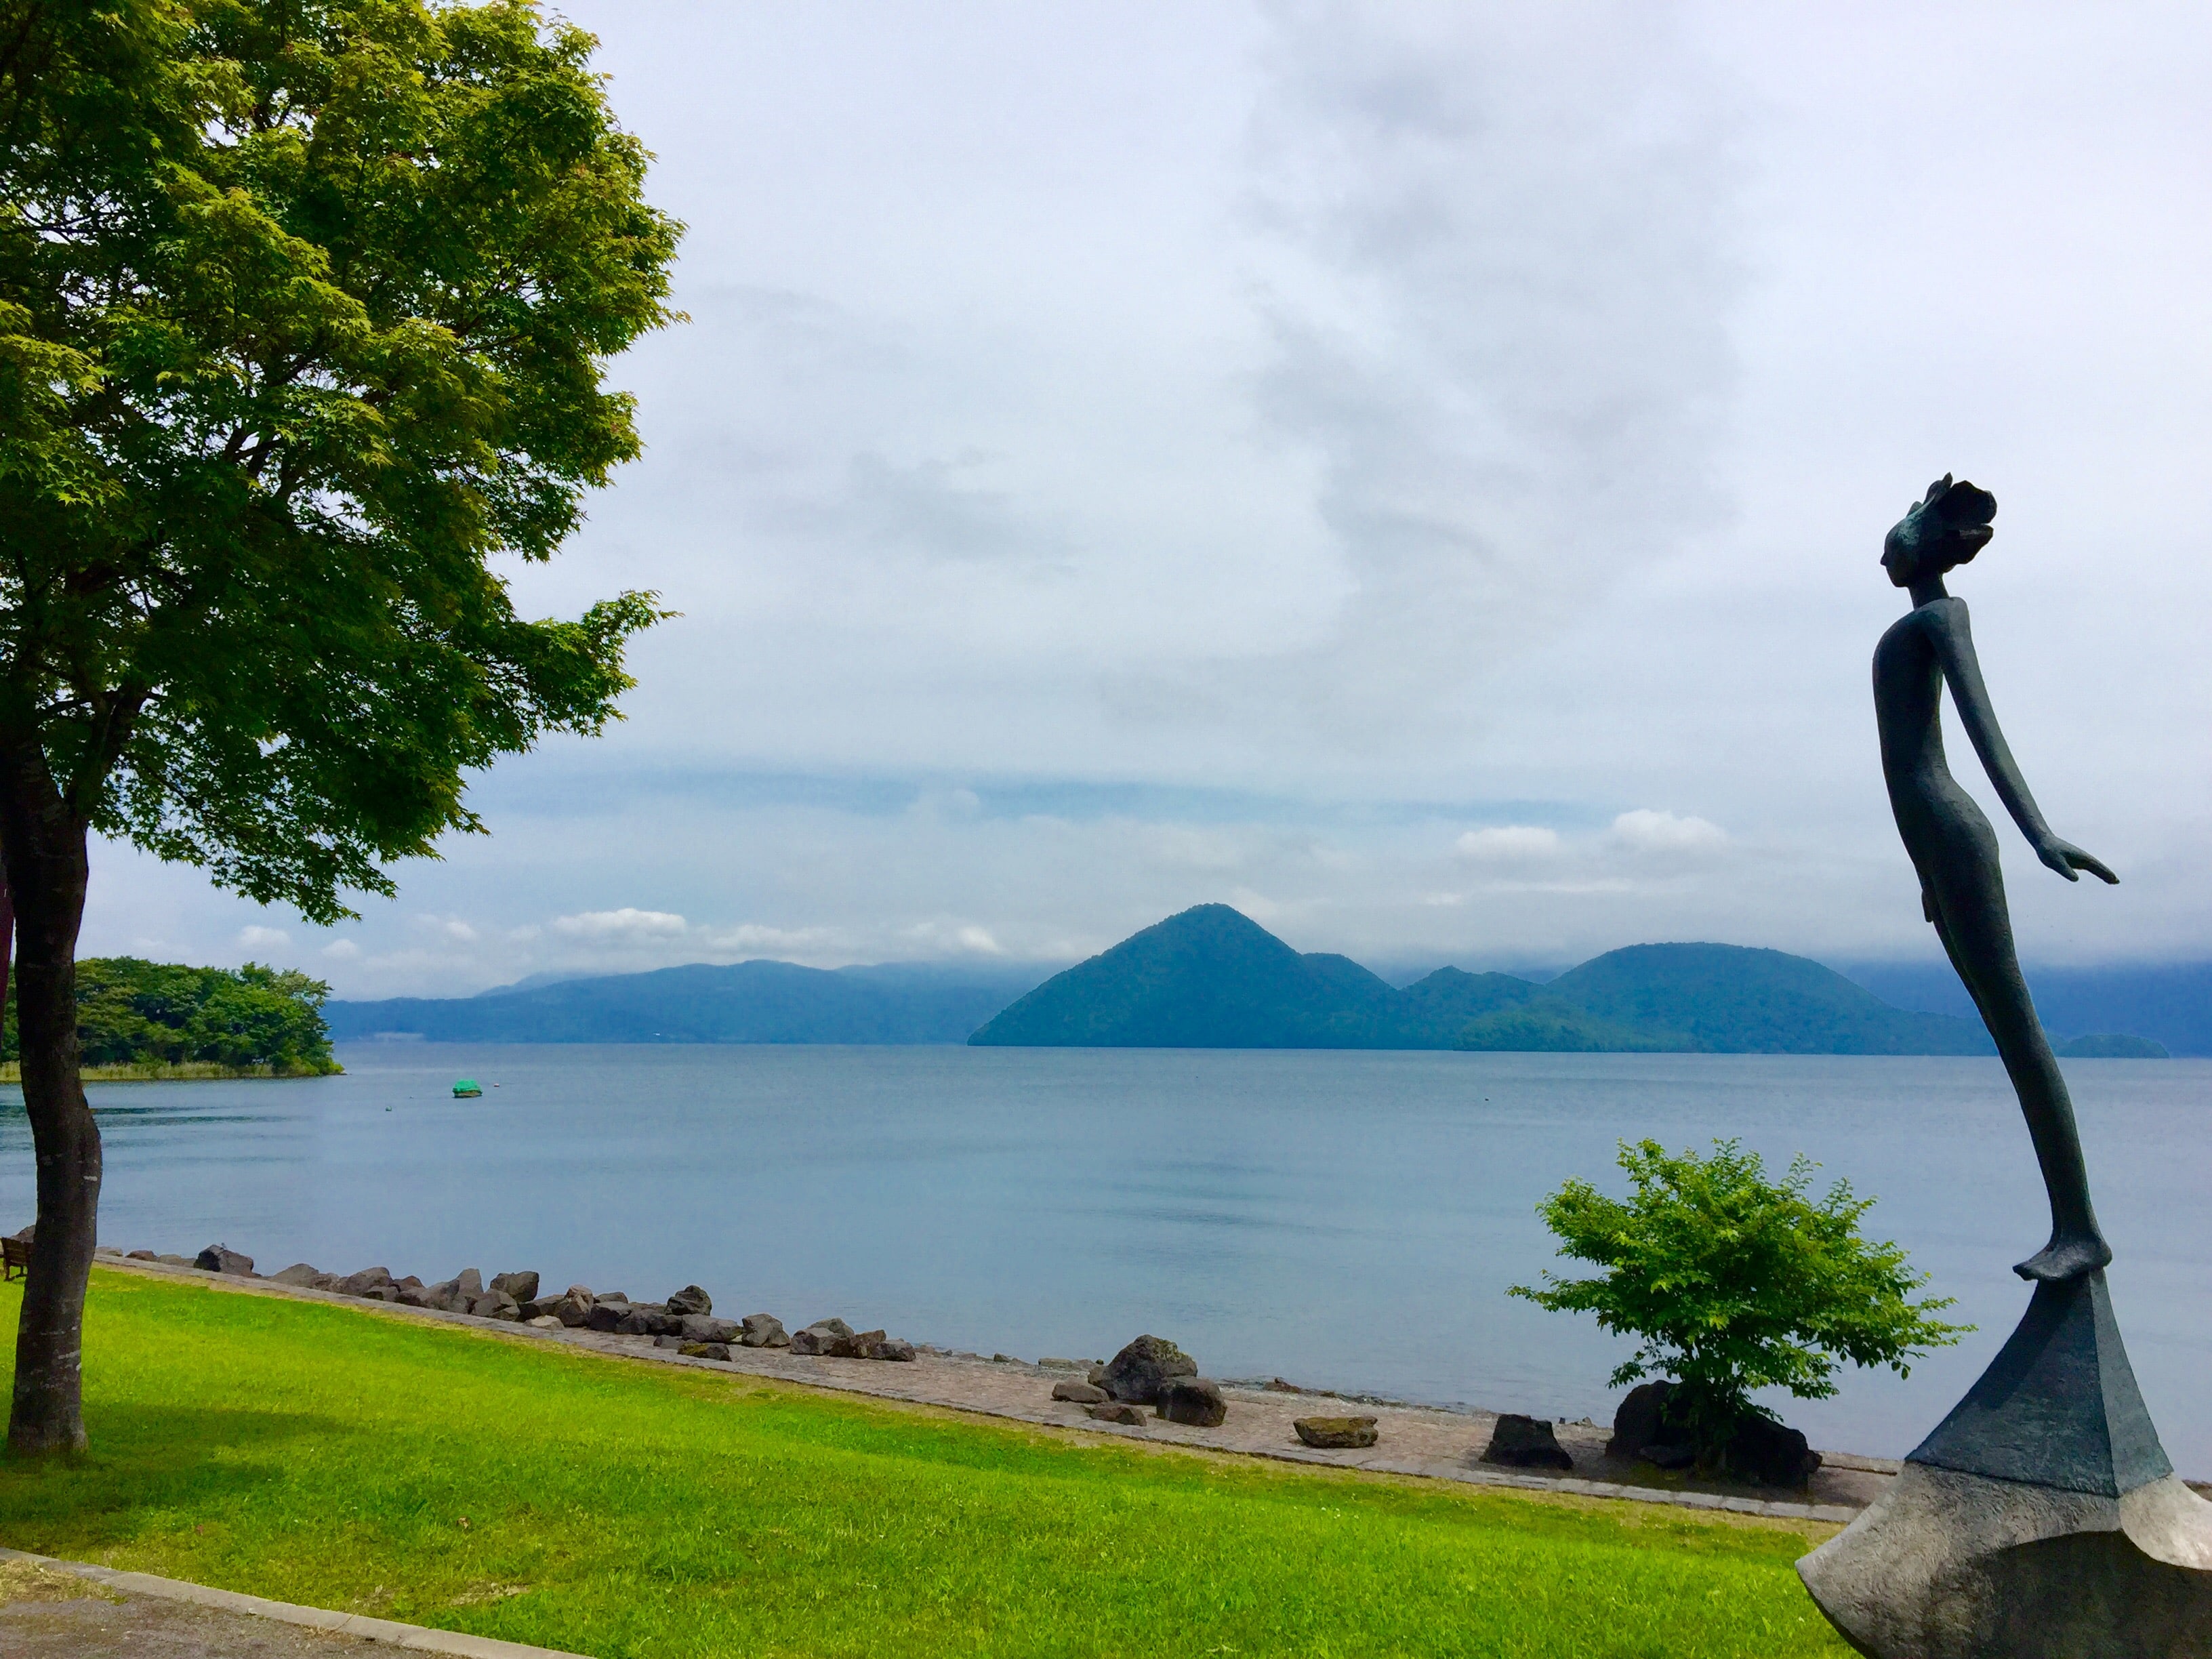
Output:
[[1940, 531]]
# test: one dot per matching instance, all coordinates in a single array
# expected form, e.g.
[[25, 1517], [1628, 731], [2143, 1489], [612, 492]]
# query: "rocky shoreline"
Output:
[[1151, 1388]]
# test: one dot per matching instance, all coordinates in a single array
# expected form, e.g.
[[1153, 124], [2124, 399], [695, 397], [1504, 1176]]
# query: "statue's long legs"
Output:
[[1971, 919]]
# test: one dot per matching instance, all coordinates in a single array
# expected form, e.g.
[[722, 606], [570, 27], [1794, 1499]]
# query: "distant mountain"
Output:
[[1725, 998], [1212, 978], [749, 1002], [2169, 1004]]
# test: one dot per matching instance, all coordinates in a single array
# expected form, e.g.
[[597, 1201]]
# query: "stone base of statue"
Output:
[[2040, 1521]]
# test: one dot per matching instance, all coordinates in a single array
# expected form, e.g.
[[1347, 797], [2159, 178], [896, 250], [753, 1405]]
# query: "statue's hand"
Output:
[[2066, 858]]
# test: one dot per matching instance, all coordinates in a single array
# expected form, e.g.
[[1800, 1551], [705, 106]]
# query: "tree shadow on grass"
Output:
[[148, 1459]]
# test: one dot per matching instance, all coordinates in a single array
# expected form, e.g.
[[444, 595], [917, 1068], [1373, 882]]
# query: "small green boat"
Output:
[[467, 1088]]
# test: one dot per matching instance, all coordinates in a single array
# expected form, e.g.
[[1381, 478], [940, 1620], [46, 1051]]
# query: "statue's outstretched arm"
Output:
[[1955, 640]]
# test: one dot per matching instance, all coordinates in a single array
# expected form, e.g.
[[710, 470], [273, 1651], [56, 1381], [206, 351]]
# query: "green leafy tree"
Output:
[[1735, 1283], [131, 1011], [305, 311]]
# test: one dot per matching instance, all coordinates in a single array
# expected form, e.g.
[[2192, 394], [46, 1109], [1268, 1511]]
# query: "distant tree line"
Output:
[[134, 1012]]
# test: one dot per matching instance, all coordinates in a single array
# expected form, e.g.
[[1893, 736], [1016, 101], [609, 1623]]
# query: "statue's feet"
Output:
[[2068, 1255]]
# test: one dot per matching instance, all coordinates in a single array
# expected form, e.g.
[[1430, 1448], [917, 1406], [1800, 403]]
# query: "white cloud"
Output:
[[749, 938], [1332, 427], [1182, 847], [343, 950], [1647, 831], [1509, 843], [450, 929], [626, 924], [256, 938], [947, 937]]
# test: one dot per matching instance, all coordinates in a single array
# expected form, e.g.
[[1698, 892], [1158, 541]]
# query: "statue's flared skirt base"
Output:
[[1950, 1565]]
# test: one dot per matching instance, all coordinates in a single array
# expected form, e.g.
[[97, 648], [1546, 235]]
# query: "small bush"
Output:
[[1737, 1283]]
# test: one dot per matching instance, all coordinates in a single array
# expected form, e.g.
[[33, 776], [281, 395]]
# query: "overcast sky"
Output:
[[1414, 472]]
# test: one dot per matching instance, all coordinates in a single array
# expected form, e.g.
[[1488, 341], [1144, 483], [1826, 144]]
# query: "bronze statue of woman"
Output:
[[1955, 851]]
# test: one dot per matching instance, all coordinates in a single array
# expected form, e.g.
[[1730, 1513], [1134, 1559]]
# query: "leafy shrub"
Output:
[[1735, 1283], [131, 1011]]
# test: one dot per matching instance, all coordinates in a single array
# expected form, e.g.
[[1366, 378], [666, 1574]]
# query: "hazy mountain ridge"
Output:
[[2168, 1002], [1211, 977], [744, 1002]]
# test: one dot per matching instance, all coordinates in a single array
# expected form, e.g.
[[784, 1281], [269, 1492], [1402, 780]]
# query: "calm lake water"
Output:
[[1346, 1220]]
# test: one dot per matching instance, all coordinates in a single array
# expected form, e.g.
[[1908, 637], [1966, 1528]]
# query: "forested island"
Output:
[[157, 1020]]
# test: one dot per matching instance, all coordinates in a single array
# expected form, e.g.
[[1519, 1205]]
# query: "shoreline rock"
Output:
[[1526, 1442], [1335, 1433], [1135, 1375], [1196, 1402]]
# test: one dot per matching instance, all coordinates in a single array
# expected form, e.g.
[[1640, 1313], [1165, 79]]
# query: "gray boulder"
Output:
[[469, 1284], [1526, 1442], [705, 1351], [413, 1296], [367, 1279], [691, 1300], [1638, 1421], [573, 1307], [140, 1256], [671, 1343], [382, 1293], [174, 1261], [648, 1321], [706, 1328], [1137, 1373], [821, 1336], [543, 1322], [523, 1287], [496, 1304], [299, 1273], [1770, 1454], [222, 1258], [606, 1314], [764, 1331], [1118, 1411], [1335, 1433], [1078, 1394], [1194, 1401], [891, 1348]]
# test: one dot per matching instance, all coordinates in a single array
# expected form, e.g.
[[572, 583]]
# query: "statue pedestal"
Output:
[[2041, 1518]]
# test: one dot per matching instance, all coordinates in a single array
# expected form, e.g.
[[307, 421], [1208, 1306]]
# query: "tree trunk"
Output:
[[43, 843]]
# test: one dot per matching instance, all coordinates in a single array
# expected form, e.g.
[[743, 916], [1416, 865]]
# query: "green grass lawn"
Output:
[[316, 1453]]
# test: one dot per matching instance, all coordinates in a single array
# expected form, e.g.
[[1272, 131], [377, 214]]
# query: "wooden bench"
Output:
[[15, 1257]]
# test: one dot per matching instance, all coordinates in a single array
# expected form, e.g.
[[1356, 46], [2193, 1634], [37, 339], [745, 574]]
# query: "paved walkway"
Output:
[[71, 1610]]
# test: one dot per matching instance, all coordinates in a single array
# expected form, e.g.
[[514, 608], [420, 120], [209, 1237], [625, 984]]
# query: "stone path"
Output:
[[1413, 1440], [70, 1610]]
